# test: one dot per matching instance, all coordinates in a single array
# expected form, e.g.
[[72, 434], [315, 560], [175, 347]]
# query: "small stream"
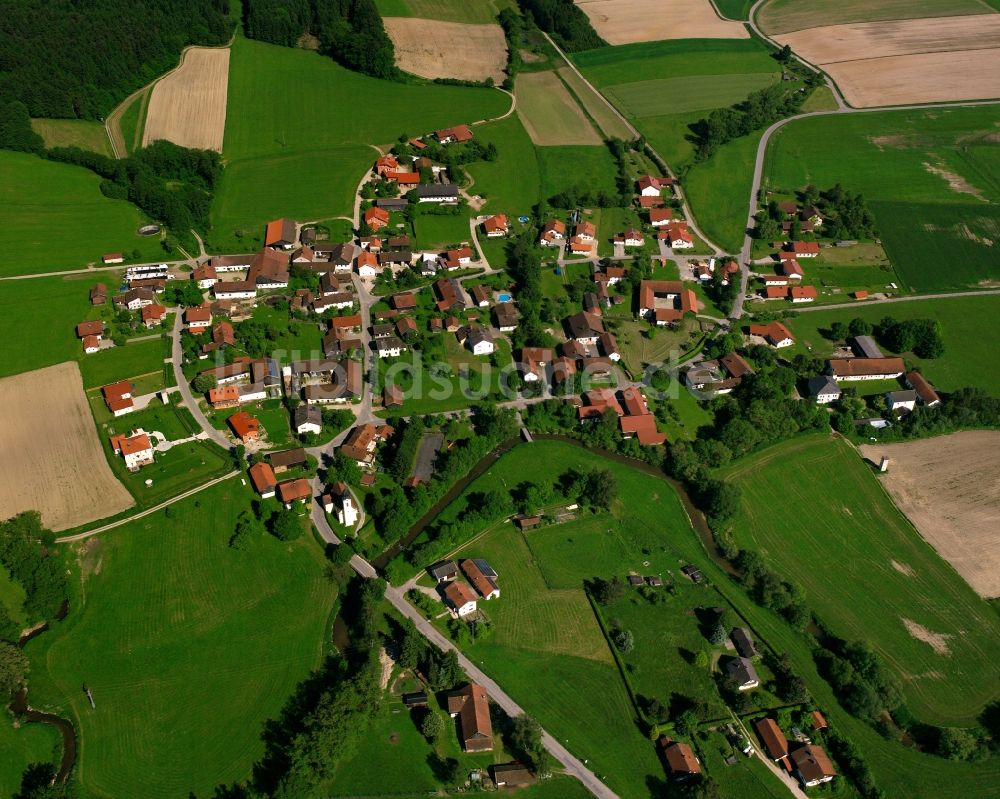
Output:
[[20, 707]]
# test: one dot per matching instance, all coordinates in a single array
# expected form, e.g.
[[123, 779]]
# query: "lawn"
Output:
[[80, 133], [566, 167], [853, 542], [930, 177], [437, 231], [188, 646], [969, 336], [297, 340], [52, 334], [312, 160], [511, 183], [59, 220], [31, 743], [119, 363]]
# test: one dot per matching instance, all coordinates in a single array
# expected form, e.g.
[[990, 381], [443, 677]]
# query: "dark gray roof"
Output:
[[903, 395], [742, 671], [484, 567], [865, 347], [743, 642], [823, 384], [308, 413], [436, 190], [444, 569]]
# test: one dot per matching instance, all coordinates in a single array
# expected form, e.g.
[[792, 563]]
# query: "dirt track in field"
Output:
[[435, 49], [188, 106], [907, 61], [949, 487], [628, 21], [50, 456]]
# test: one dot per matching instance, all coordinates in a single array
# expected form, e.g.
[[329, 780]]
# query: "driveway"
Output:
[[182, 385]]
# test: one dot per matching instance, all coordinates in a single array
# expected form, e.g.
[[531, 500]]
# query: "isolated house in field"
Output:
[[483, 582], [112, 258], [118, 398], [280, 234], [743, 674], [459, 133], [136, 449], [678, 758], [773, 739], [376, 218], [553, 233], [496, 226], [460, 597], [245, 427], [472, 708], [774, 333], [812, 765], [262, 477]]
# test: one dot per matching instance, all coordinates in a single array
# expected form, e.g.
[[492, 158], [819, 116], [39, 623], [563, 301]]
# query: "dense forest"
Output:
[[569, 26], [349, 31], [69, 59]]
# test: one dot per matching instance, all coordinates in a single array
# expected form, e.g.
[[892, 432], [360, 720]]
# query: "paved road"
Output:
[[908, 298], [572, 764], [80, 536], [182, 385]]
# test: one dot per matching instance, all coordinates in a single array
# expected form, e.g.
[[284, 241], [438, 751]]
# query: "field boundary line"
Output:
[[110, 526]]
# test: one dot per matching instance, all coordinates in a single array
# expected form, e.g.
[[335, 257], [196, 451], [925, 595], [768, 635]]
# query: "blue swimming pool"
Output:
[[504, 297]]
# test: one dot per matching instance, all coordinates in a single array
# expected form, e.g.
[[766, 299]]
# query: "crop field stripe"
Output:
[[692, 93], [786, 16], [550, 112]]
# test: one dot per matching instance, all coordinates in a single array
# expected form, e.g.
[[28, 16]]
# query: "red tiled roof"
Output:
[[262, 477]]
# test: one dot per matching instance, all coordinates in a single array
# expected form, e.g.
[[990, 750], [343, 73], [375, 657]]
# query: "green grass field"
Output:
[[679, 95], [131, 360], [782, 16], [58, 219], [440, 230], [312, 160], [551, 113], [566, 167], [733, 9], [511, 183], [30, 743], [832, 529], [941, 195], [969, 326], [51, 334], [481, 12], [73, 133], [189, 646]]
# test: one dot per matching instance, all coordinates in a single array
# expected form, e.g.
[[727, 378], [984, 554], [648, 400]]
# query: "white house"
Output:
[[252, 393], [633, 238], [236, 290], [824, 389], [480, 342], [460, 597], [367, 264], [347, 513], [308, 419], [136, 449], [901, 401], [679, 236], [390, 347]]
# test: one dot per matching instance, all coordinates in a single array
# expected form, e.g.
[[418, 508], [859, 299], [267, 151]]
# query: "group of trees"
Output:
[[64, 59], [349, 31], [770, 591], [922, 337], [846, 215], [567, 23], [864, 686], [760, 109], [525, 265]]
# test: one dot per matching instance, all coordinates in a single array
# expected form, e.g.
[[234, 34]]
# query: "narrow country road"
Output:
[[907, 298], [182, 384], [112, 525]]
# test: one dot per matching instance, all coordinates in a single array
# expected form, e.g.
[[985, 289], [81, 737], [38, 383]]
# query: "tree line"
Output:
[[349, 31], [567, 23], [72, 60]]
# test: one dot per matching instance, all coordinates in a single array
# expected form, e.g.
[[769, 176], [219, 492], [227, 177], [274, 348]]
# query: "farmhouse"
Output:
[[404, 178], [386, 163], [851, 369], [812, 765], [679, 236], [449, 294], [496, 226], [585, 327], [376, 218], [791, 269], [390, 347], [230, 263], [681, 763], [665, 301], [824, 389], [481, 578], [480, 342], [510, 775], [280, 234], [553, 232], [262, 477], [287, 459], [596, 402], [235, 290], [268, 270], [436, 193], [743, 642], [925, 392], [459, 133], [865, 347], [118, 398], [98, 294], [649, 186], [367, 264], [742, 672], [226, 396], [292, 491], [344, 385], [800, 294], [460, 597], [638, 421], [404, 302], [136, 449], [113, 258], [245, 427], [134, 299], [471, 706], [95, 328], [902, 401], [307, 419], [658, 217], [198, 318], [443, 572], [362, 441], [774, 333], [774, 740], [800, 249], [205, 276]]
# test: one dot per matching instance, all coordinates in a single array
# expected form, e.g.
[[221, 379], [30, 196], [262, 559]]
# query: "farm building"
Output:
[[262, 477], [812, 765], [280, 233], [461, 598], [136, 449], [679, 759], [472, 708]]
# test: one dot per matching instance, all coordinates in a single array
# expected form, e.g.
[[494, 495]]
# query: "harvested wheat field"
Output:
[[628, 21], [549, 113], [188, 106], [50, 455], [949, 487], [907, 61], [783, 16], [435, 49]]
